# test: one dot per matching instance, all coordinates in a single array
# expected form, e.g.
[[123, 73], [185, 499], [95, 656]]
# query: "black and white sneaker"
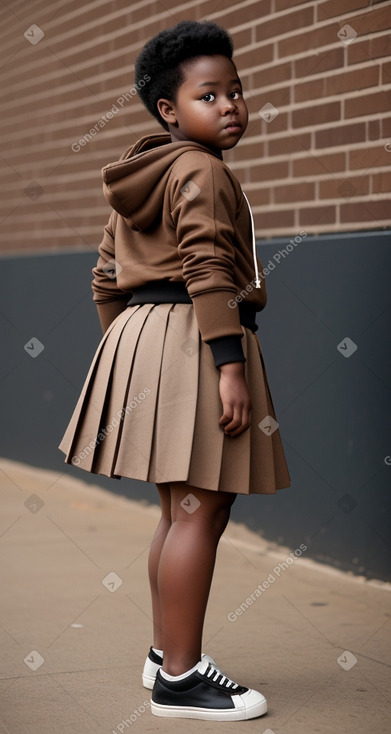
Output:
[[206, 694], [154, 662]]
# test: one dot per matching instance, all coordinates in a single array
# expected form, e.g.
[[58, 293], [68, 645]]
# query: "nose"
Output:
[[229, 106]]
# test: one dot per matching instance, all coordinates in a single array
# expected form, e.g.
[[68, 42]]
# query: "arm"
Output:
[[205, 225], [236, 399], [109, 299], [204, 221]]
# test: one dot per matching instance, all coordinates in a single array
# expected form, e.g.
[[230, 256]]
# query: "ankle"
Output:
[[179, 666]]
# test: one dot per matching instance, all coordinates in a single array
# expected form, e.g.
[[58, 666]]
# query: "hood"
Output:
[[134, 186]]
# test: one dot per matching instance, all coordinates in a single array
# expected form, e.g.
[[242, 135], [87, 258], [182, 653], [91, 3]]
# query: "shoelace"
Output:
[[216, 674]]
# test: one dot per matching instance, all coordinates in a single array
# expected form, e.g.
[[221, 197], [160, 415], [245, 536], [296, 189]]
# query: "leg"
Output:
[[185, 572], [153, 560]]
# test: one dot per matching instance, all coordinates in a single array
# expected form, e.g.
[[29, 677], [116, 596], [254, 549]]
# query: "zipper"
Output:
[[257, 279]]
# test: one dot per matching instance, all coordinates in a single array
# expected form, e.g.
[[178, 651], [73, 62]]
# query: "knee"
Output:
[[221, 516], [212, 513], [165, 502]]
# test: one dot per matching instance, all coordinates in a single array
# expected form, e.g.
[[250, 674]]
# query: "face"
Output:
[[209, 106]]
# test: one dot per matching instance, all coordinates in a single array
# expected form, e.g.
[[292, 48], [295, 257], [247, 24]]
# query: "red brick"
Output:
[[377, 212], [317, 215], [241, 13], [289, 144], [373, 129], [285, 23], [256, 55], [287, 4], [313, 39], [380, 46], [357, 52], [317, 114], [80, 43], [257, 126], [272, 75], [381, 182], [351, 80], [374, 157], [246, 78], [346, 188], [268, 170], [341, 135], [259, 197], [277, 97], [376, 20], [331, 59], [279, 124], [368, 104], [274, 220], [146, 15], [294, 192], [75, 23], [309, 90], [241, 38], [386, 127], [333, 8], [319, 165], [386, 73], [46, 121], [246, 151]]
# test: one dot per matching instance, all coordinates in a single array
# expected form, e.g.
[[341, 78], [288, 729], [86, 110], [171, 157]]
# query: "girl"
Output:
[[177, 392]]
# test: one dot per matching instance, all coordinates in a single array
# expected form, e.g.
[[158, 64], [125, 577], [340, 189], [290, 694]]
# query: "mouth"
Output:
[[233, 126]]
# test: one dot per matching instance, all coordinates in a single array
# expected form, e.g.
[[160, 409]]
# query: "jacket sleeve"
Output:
[[203, 206], [109, 299]]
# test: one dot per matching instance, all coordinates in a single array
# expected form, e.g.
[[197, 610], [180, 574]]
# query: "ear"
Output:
[[166, 110]]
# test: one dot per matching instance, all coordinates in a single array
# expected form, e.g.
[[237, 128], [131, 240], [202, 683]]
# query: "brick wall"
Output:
[[317, 151]]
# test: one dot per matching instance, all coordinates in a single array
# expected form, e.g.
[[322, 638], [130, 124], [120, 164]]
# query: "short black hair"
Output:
[[158, 68]]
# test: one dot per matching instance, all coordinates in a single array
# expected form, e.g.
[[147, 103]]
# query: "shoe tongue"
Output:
[[203, 666]]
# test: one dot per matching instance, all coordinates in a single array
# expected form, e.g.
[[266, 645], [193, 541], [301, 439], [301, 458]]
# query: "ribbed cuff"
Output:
[[217, 314], [227, 349]]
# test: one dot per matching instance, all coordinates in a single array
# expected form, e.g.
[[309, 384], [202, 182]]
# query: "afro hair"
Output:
[[158, 69]]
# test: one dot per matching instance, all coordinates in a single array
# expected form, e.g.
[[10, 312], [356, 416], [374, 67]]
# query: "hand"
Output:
[[236, 399]]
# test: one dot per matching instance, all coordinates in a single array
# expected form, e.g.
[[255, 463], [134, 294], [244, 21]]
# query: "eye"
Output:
[[209, 94], [238, 93]]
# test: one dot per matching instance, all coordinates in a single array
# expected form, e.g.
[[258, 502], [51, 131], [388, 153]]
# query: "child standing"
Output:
[[177, 392]]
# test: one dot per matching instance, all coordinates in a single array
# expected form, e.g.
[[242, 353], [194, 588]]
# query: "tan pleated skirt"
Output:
[[150, 407]]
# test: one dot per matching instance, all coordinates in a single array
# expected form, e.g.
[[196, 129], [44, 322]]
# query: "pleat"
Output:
[[138, 425], [205, 463], [72, 437], [118, 400], [269, 471], [235, 462], [177, 398], [150, 407]]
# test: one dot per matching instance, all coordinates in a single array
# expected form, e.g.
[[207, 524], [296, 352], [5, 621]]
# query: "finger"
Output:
[[227, 416], [236, 421], [244, 424], [239, 430], [246, 418]]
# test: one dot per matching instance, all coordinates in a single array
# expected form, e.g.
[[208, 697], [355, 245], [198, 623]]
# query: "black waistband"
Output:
[[170, 291]]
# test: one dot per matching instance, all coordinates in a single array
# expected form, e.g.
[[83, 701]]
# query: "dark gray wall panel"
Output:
[[333, 411]]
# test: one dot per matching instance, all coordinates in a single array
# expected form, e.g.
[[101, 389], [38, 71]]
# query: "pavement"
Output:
[[75, 621]]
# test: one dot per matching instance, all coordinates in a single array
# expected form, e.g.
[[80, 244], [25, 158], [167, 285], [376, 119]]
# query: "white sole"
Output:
[[148, 682], [193, 712]]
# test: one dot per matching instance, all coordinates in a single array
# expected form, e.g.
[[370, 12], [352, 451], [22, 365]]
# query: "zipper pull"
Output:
[[257, 279]]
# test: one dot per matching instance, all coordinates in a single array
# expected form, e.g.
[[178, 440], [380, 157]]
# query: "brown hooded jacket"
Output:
[[179, 214]]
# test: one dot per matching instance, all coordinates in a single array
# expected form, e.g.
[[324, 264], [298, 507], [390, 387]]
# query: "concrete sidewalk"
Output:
[[75, 621]]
